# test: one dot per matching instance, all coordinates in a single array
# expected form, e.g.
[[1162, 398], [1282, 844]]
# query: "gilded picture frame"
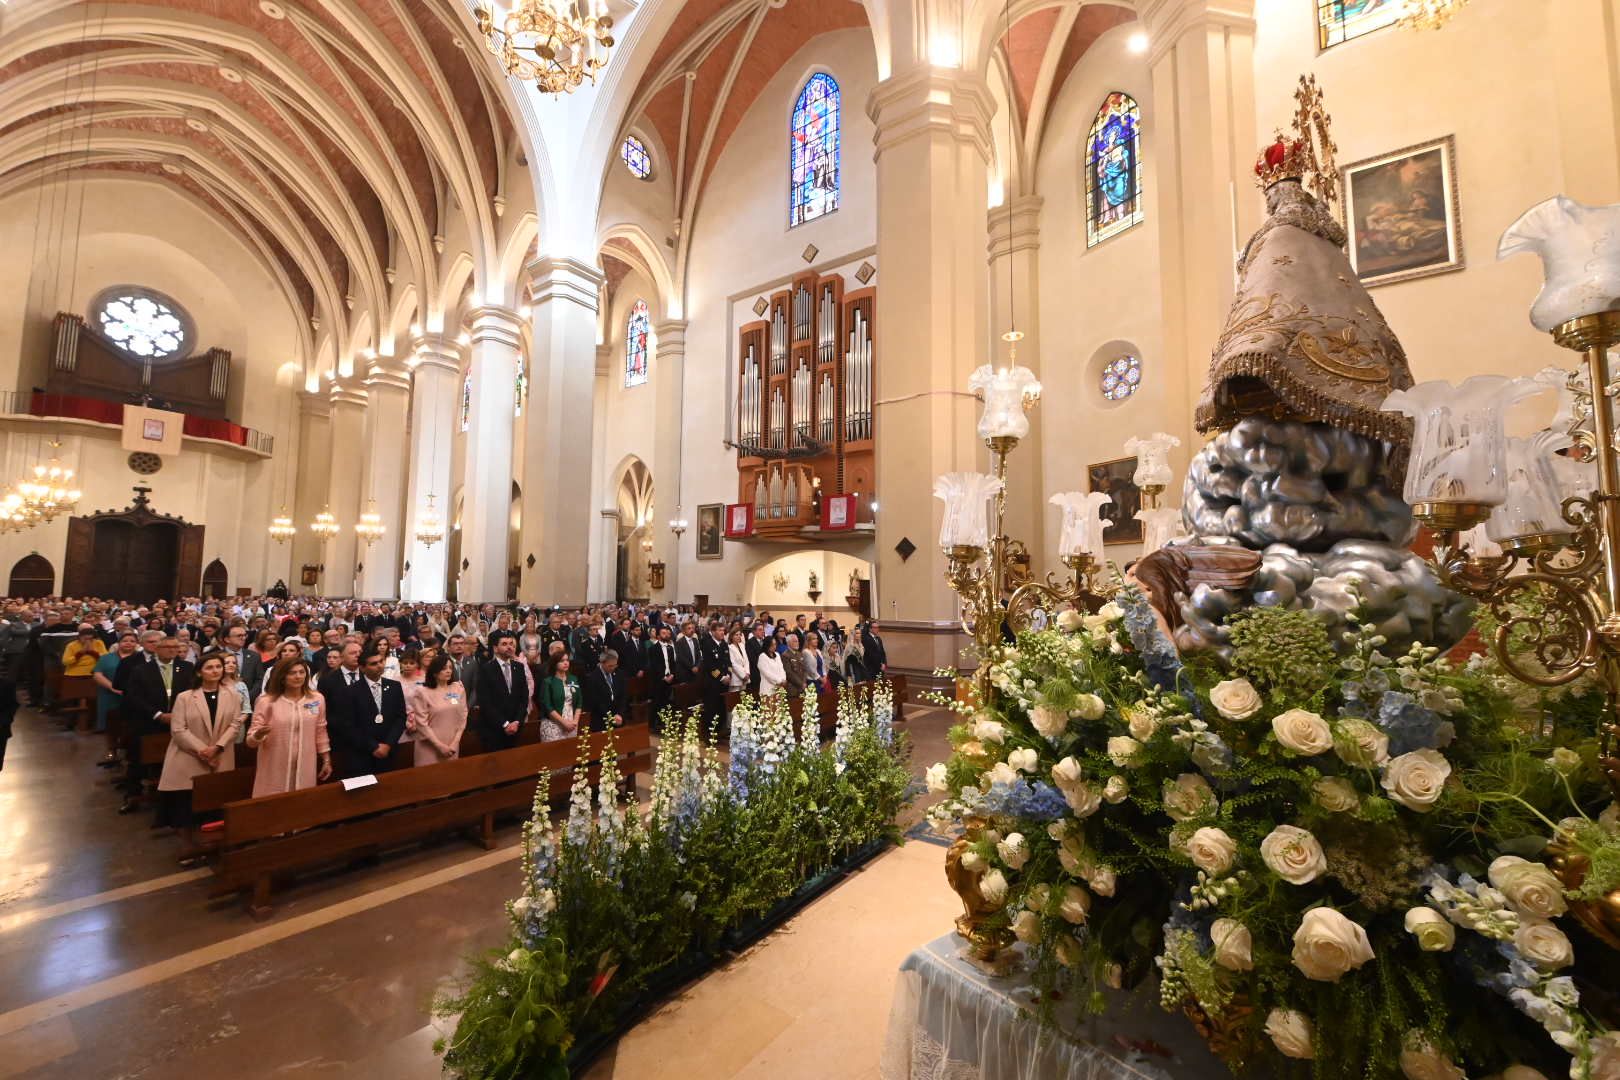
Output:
[[711, 533], [1402, 213], [1115, 478]]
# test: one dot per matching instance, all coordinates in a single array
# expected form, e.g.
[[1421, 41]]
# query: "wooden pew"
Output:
[[76, 695], [280, 834]]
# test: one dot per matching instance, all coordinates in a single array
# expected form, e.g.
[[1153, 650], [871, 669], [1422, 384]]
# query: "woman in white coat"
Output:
[[772, 675], [202, 740], [739, 661]]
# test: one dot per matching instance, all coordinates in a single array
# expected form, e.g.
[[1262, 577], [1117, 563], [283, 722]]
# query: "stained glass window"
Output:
[[636, 158], [520, 391], [1113, 169], [466, 400], [813, 151], [636, 333], [142, 323], [1338, 21], [1121, 378]]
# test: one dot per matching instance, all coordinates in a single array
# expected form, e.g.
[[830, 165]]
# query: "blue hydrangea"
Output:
[[1038, 801], [1160, 661], [1409, 725]]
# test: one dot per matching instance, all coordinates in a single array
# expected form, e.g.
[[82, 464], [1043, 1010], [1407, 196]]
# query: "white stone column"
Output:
[[388, 388], [487, 489], [557, 475], [604, 523], [669, 367], [348, 427], [435, 391], [314, 475], [932, 329], [1014, 248], [1204, 145]]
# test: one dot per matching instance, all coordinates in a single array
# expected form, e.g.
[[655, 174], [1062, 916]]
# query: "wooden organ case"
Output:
[[804, 406]]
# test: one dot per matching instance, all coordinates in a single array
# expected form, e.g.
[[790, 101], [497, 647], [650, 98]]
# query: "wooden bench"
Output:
[[76, 697], [280, 834]]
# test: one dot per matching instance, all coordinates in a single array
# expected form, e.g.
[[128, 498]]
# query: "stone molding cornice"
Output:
[[1018, 231], [387, 373], [930, 101], [494, 324], [435, 351], [1168, 21], [346, 392], [314, 403], [554, 277], [670, 337]]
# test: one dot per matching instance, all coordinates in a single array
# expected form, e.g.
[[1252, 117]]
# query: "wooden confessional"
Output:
[[134, 554]]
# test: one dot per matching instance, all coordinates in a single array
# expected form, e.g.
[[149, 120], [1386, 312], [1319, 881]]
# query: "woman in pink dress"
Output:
[[289, 731], [437, 709]]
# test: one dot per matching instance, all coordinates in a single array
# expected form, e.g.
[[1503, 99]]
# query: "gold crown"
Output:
[[1284, 159], [1308, 154]]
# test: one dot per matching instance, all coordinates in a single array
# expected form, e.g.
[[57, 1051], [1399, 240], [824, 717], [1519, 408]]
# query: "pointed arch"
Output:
[[1114, 168], [813, 150]]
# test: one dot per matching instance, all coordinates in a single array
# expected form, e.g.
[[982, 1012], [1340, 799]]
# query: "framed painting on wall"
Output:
[[1402, 215], [1114, 479], [710, 531]]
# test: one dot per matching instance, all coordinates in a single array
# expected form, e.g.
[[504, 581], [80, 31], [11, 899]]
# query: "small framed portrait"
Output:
[[1402, 214], [153, 429], [308, 576], [710, 530], [1113, 478]]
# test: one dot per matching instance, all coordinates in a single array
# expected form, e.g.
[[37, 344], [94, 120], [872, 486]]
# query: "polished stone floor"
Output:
[[114, 963]]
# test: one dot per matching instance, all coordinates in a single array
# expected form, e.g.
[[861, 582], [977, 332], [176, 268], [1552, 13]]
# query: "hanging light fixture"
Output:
[[14, 516], [282, 528], [555, 44], [1430, 14], [429, 529], [49, 491], [370, 527], [325, 525]]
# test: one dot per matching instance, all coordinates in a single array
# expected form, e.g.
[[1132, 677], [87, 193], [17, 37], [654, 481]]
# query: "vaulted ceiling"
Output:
[[333, 136]]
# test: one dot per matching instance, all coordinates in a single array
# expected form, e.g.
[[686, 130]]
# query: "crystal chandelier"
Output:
[[48, 492], [14, 515], [325, 525], [370, 527], [1430, 14], [429, 529], [282, 528], [555, 44]]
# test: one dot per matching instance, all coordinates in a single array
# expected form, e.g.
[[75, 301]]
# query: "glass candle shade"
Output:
[[966, 496], [1152, 459], [1158, 527], [1083, 523], [1007, 393], [1458, 444], [1534, 504], [1479, 543], [1579, 246]]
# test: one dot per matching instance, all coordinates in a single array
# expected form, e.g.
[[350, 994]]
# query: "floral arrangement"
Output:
[[617, 904], [1336, 861]]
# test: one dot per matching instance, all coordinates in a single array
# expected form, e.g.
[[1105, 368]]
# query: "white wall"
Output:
[[832, 570]]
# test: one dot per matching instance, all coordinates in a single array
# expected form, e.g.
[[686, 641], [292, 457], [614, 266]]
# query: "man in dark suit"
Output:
[[877, 661], [334, 685], [466, 666], [688, 653], [661, 678], [713, 676], [505, 690], [588, 644], [249, 668], [757, 643], [371, 724], [150, 687], [604, 692]]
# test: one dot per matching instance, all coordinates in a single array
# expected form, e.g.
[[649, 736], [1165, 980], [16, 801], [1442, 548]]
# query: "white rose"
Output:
[[1360, 743], [1014, 850], [1303, 732], [520, 908], [1529, 886], [936, 778], [1110, 612], [1141, 722], [1116, 789], [1000, 773], [1610, 818], [1088, 707], [545, 902], [1102, 881], [1415, 780], [1293, 854], [1025, 760], [1068, 951], [1433, 931], [1037, 896], [1058, 829], [1066, 772], [1234, 946], [993, 887], [1565, 761], [989, 731], [1605, 1051], [1072, 856], [1083, 799], [1419, 1060], [1336, 794], [1076, 904], [1121, 749], [1188, 795], [1290, 1033], [1544, 945], [1211, 850], [1068, 621], [1235, 699], [973, 862], [1026, 927], [1050, 722], [1327, 945]]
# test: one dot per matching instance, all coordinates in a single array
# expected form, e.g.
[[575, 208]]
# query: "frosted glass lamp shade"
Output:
[[966, 496], [1579, 246], [1534, 503], [1458, 444], [1158, 527], [1083, 523], [1152, 459], [1007, 393]]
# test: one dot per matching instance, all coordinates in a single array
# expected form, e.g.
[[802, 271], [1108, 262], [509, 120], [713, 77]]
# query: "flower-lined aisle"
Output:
[[1335, 861], [618, 907]]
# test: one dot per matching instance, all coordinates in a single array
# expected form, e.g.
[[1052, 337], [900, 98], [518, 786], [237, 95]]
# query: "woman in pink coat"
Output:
[[438, 712], [289, 730], [202, 740]]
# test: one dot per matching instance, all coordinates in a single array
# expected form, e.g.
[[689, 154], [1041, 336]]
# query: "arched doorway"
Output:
[[135, 554], [634, 502], [33, 575], [216, 581]]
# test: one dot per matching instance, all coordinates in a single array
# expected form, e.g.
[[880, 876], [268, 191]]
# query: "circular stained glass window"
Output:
[[1121, 378], [142, 323], [636, 158]]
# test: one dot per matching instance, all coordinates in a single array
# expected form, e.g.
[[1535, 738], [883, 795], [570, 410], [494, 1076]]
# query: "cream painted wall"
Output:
[[832, 569], [741, 242]]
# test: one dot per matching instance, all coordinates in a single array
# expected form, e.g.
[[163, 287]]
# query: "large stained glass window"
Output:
[[1338, 21], [1113, 169], [141, 322], [813, 151], [634, 154], [636, 334]]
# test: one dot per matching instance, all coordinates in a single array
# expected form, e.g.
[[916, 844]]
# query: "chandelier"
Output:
[[555, 44], [14, 515], [429, 529], [370, 527], [48, 492], [1430, 14], [325, 525], [282, 528]]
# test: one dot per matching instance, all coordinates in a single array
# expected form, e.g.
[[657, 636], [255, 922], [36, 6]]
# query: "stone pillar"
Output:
[[669, 377], [932, 329], [487, 489], [1014, 248], [388, 387], [558, 447], [1204, 144], [435, 393], [348, 427], [309, 494], [604, 558]]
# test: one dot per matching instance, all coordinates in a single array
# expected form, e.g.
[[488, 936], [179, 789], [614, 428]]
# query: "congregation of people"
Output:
[[330, 689]]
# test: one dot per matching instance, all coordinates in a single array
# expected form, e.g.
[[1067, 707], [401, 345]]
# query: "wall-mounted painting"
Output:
[[1114, 479], [1402, 215], [710, 535]]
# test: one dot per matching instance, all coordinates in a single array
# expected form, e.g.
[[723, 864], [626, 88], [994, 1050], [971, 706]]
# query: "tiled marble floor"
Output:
[[113, 963]]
